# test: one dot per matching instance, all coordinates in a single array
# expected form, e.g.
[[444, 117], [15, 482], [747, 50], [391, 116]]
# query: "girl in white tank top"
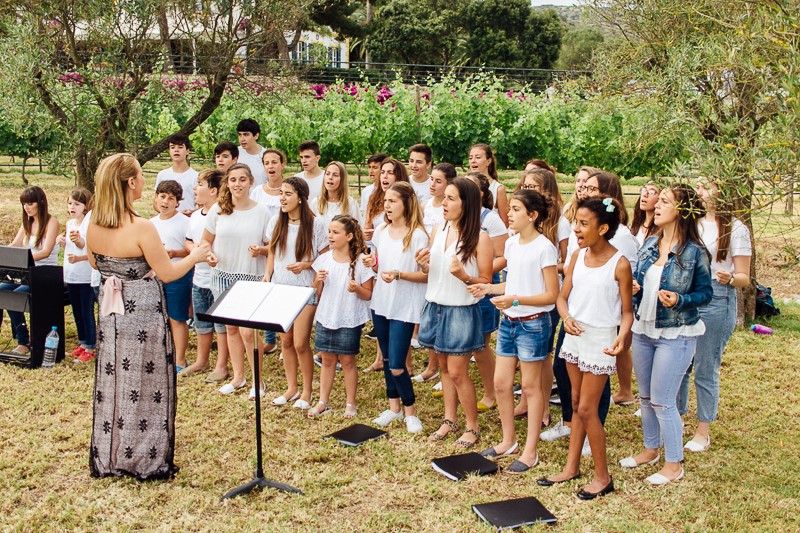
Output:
[[601, 302]]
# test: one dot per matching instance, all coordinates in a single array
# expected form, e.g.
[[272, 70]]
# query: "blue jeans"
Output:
[[719, 316], [660, 365], [18, 326], [394, 338], [81, 298], [527, 341], [565, 386]]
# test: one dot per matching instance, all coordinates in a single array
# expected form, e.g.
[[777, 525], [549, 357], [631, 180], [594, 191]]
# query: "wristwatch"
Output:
[[515, 303], [396, 275], [730, 281]]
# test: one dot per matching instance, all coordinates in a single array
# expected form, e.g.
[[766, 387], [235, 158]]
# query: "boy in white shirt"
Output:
[[171, 227], [226, 154], [419, 161], [179, 148], [206, 191], [309, 154], [250, 152]]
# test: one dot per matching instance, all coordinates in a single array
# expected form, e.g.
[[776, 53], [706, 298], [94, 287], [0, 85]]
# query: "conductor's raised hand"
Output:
[[202, 253]]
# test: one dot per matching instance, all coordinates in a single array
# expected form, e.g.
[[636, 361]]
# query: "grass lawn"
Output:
[[747, 481]]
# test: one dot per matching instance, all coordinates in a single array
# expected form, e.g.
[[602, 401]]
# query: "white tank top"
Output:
[[594, 299], [51, 259], [443, 287]]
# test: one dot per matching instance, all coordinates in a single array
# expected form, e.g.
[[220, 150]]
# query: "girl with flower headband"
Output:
[[597, 317]]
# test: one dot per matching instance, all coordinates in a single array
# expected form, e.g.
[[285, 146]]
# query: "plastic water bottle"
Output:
[[761, 330], [50, 348]]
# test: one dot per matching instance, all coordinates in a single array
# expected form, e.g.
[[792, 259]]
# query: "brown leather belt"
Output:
[[524, 318]]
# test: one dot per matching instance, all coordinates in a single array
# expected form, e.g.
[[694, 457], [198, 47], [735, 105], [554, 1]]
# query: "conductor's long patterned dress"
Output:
[[133, 427]]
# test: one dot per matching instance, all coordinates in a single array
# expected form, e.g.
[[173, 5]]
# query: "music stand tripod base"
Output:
[[259, 481]]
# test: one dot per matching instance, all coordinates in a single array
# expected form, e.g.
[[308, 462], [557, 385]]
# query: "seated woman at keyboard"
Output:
[[38, 232]]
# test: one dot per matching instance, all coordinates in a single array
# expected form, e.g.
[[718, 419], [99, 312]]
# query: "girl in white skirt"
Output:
[[597, 317]]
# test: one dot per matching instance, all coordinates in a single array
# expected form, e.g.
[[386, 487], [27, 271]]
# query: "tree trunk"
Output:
[[24, 161], [367, 55], [86, 162]]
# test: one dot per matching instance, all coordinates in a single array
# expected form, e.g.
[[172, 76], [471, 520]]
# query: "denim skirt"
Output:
[[451, 329], [339, 341]]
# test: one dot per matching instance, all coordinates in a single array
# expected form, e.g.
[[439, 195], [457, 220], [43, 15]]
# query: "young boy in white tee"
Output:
[[250, 152], [206, 191], [226, 154], [180, 171], [171, 227], [419, 161], [309, 154], [374, 172]]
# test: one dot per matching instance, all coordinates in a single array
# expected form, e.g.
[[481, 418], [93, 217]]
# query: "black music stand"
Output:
[[262, 306]]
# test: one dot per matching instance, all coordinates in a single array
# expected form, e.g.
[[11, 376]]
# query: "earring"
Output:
[[530, 218]]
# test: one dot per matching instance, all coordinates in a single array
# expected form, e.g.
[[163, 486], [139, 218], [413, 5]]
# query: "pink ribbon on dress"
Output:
[[112, 297]]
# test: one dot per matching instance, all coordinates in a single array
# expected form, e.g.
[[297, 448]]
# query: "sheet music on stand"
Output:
[[259, 305]]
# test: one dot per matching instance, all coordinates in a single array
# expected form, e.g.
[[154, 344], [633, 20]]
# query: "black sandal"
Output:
[[466, 445], [436, 436]]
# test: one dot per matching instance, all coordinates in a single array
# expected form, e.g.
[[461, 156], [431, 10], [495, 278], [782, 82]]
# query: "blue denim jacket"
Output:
[[689, 278]]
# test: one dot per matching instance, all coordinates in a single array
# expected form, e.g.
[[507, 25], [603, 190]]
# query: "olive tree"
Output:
[[85, 64]]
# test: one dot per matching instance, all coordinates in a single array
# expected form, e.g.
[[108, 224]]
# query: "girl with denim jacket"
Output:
[[728, 242], [672, 281]]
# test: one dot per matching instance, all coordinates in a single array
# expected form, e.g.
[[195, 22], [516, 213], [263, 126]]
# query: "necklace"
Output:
[[294, 219], [278, 188]]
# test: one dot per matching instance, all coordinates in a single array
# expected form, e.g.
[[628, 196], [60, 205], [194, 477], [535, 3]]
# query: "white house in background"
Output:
[[313, 46]]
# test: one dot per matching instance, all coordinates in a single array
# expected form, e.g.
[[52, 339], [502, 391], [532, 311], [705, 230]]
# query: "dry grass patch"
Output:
[[747, 481]]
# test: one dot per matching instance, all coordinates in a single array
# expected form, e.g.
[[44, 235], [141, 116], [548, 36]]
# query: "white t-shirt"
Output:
[[366, 192], [233, 234], [623, 240], [84, 227], [422, 190], [338, 307], [493, 186], [187, 181], [525, 278], [443, 287], [333, 209], [256, 164], [194, 233], [314, 184], [564, 229], [432, 215], [272, 203], [172, 232], [401, 299], [739, 245], [319, 241], [80, 272], [493, 225]]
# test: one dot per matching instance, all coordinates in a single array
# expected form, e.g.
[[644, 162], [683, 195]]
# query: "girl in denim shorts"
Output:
[[344, 288], [525, 300], [460, 255], [595, 304]]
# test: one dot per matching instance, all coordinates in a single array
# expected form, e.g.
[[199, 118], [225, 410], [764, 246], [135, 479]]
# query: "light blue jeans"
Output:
[[719, 316], [660, 365]]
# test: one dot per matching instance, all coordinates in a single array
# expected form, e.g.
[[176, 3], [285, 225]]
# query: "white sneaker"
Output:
[[387, 417], [638, 413], [415, 344], [438, 386], [586, 451], [413, 424], [559, 431]]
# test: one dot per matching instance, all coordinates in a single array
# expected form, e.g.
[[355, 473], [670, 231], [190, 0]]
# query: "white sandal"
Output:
[[694, 446]]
